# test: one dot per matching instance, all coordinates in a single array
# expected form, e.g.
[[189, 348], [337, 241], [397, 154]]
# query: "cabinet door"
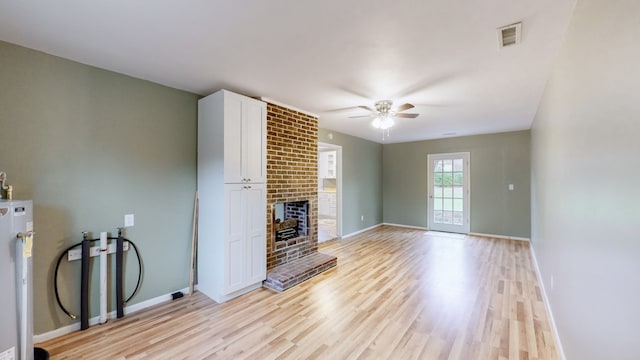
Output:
[[256, 233], [233, 129], [235, 234], [255, 141]]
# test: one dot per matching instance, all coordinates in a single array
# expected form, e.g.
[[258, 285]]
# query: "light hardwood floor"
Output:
[[395, 294]]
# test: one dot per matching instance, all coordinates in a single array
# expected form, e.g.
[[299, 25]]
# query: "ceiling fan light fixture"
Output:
[[384, 116], [387, 122], [382, 122]]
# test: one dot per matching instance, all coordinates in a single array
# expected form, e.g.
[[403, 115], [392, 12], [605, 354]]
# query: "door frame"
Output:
[[467, 185], [338, 150]]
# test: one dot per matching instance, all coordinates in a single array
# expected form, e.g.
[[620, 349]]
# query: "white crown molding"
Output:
[[271, 101]]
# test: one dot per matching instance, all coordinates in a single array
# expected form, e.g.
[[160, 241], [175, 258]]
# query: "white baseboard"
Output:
[[382, 224], [499, 236], [547, 305], [95, 320], [406, 226], [360, 231], [426, 229]]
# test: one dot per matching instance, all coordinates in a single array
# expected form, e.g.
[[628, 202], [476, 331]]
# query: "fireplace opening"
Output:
[[291, 220]]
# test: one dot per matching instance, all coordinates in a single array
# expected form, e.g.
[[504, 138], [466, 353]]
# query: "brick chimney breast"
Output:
[[292, 176]]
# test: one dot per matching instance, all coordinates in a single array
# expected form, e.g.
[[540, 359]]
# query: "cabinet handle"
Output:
[[247, 187]]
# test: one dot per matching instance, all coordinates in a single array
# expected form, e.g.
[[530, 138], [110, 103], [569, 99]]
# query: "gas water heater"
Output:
[[16, 289]]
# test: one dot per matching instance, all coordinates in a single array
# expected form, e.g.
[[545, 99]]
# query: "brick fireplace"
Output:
[[292, 178]]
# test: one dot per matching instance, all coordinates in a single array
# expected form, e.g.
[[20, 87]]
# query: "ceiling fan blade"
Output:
[[367, 108], [404, 107], [359, 116], [339, 110], [410, 116]]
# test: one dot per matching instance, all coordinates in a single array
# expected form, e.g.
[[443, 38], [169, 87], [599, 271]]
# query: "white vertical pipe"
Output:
[[24, 300], [103, 277]]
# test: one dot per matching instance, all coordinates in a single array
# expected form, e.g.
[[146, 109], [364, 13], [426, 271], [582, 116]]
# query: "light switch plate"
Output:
[[510, 186], [128, 220]]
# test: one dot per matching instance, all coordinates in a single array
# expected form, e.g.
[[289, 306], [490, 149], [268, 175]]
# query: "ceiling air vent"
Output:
[[509, 35]]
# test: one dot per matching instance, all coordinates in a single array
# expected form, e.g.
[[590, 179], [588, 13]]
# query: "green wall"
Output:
[[497, 160], [88, 146], [361, 180], [585, 193]]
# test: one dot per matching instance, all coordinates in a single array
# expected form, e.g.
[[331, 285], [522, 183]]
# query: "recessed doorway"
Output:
[[329, 191]]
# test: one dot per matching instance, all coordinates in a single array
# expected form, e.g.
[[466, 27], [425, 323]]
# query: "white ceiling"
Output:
[[319, 56]]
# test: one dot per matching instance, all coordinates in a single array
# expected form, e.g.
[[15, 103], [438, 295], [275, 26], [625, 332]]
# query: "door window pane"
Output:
[[448, 192], [437, 203], [437, 178], [457, 218], [447, 178], [457, 192], [457, 205], [447, 165], [457, 164], [447, 217], [457, 178], [437, 216], [447, 204], [437, 191]]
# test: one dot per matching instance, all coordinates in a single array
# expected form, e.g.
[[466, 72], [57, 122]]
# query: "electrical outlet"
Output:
[[361, 217], [128, 220], [74, 255], [510, 186]]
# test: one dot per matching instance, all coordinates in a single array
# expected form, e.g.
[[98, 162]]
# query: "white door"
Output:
[[256, 257], [246, 249], [255, 141], [245, 147], [233, 114], [235, 234], [448, 208]]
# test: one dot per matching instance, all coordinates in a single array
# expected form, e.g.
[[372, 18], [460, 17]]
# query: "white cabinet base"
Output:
[[220, 298]]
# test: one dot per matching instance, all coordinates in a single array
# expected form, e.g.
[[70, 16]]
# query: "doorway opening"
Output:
[[329, 192]]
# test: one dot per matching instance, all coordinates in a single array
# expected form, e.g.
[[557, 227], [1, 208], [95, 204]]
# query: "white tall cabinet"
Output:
[[232, 190]]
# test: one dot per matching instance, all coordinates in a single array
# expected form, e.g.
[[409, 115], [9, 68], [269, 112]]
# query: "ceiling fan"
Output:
[[383, 115]]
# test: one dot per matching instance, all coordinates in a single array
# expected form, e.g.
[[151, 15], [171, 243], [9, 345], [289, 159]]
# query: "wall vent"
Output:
[[509, 35]]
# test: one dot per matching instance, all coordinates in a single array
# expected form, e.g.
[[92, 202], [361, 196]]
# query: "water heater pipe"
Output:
[[120, 275], [23, 315], [24, 251], [3, 186], [84, 283], [103, 277]]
